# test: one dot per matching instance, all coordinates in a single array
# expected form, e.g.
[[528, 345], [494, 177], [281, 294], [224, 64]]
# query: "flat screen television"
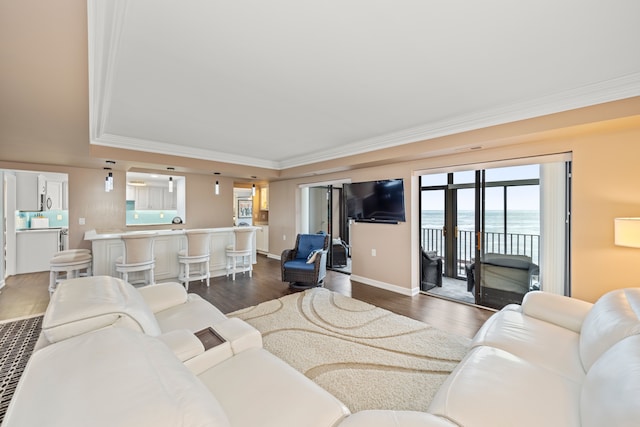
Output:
[[375, 201]]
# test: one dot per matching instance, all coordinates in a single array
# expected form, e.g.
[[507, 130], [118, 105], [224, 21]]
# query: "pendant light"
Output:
[[253, 190], [170, 180], [108, 181], [217, 186]]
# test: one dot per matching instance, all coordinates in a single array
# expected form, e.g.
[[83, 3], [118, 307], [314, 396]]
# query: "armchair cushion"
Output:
[[298, 264], [309, 242]]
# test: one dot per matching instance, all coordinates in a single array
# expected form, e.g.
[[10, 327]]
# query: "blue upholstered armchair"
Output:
[[306, 264]]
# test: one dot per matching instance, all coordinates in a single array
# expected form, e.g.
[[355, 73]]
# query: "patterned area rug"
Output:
[[17, 339], [367, 357]]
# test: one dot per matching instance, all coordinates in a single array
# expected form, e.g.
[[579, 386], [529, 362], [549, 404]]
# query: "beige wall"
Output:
[[605, 186], [106, 211]]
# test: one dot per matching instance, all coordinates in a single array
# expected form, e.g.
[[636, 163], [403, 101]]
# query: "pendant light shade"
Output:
[[253, 190], [170, 184], [217, 188]]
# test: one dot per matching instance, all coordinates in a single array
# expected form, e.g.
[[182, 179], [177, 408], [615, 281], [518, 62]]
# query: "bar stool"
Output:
[[197, 252], [241, 248], [137, 256], [71, 262]]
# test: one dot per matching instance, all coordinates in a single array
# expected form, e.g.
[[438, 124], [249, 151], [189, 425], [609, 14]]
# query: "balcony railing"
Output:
[[432, 239]]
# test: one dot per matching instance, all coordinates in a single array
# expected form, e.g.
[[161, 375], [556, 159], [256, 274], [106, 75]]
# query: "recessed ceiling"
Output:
[[279, 84]]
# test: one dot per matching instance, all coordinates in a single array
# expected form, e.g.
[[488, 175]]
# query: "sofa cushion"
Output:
[[195, 314], [615, 316], [611, 389], [493, 388], [112, 377], [89, 303], [531, 339], [163, 295], [276, 394], [307, 243]]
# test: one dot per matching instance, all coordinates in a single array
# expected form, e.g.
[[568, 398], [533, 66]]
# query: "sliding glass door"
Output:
[[485, 229]]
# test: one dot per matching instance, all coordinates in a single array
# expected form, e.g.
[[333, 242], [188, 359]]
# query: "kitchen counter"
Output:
[[34, 249], [107, 247]]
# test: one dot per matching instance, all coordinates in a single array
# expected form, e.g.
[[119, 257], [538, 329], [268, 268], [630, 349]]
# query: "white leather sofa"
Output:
[[121, 377], [554, 361], [89, 303]]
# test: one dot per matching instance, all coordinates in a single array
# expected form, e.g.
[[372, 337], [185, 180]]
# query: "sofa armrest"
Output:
[[184, 344], [162, 296], [388, 418], [566, 312]]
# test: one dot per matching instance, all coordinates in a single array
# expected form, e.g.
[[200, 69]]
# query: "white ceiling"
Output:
[[284, 83]]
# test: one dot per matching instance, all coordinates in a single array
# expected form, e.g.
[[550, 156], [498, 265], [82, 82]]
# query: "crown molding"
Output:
[[104, 42], [156, 147], [611, 90], [598, 93]]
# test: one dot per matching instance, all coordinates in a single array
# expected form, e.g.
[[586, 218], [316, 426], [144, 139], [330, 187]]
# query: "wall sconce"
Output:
[[170, 180], [627, 232]]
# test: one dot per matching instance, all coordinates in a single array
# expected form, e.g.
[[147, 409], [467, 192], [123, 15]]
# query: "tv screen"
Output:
[[376, 201]]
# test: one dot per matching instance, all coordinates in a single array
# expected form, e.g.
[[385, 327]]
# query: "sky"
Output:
[[519, 198]]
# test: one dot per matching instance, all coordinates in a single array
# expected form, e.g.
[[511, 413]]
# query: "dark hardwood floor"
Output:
[[27, 294]]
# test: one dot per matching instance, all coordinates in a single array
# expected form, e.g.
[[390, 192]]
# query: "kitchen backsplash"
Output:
[[57, 218]]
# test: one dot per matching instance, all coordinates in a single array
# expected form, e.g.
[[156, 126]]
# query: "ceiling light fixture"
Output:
[[170, 180], [108, 181], [217, 186]]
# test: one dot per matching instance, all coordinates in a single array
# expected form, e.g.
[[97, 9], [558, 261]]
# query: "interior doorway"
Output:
[[324, 211]]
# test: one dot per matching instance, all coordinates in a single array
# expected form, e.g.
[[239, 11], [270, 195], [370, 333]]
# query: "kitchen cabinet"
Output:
[[153, 198], [262, 239], [35, 248], [30, 191], [264, 198], [53, 198]]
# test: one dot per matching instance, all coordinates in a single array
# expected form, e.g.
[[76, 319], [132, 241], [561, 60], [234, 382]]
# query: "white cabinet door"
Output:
[[156, 198], [27, 191], [54, 195], [34, 249], [262, 240]]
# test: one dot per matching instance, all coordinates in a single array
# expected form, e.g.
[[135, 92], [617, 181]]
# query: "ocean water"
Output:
[[518, 221]]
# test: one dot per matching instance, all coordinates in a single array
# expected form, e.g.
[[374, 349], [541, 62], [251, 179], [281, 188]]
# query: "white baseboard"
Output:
[[387, 286], [272, 256]]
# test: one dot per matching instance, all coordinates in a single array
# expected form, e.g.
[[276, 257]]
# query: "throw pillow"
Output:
[[312, 256]]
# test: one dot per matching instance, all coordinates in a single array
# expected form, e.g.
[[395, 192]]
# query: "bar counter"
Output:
[[107, 247]]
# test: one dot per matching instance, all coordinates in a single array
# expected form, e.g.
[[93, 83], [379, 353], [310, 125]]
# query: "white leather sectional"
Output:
[[554, 361]]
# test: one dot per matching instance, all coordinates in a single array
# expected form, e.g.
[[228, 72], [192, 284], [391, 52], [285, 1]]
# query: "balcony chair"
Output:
[[340, 252], [197, 253], [242, 248], [306, 264], [137, 256], [431, 270], [505, 279]]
